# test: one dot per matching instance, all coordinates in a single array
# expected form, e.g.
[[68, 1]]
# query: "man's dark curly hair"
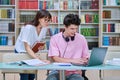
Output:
[[71, 19]]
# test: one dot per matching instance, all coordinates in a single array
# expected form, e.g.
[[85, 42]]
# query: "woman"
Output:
[[30, 33]]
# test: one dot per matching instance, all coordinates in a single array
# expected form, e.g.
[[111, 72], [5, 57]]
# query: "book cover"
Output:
[[37, 45]]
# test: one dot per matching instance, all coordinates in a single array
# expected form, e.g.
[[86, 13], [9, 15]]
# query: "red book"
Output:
[[109, 28], [87, 18], [12, 2], [31, 6], [22, 4], [44, 4], [37, 45]]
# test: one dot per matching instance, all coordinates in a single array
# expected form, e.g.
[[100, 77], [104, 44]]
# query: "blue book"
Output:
[[4, 40], [55, 31]]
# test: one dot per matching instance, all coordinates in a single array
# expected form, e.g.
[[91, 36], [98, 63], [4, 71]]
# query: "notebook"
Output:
[[96, 58]]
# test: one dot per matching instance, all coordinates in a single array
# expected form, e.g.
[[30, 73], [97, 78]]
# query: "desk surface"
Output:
[[4, 66]]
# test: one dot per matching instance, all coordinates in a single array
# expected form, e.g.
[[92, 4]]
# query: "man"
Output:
[[69, 47]]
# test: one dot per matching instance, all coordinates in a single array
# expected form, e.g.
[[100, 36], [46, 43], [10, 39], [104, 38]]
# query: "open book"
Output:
[[114, 61], [34, 62], [37, 45]]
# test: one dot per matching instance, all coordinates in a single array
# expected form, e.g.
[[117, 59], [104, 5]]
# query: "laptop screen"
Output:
[[97, 56]]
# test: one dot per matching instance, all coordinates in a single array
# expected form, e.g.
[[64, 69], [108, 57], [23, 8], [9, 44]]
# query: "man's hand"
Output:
[[80, 61]]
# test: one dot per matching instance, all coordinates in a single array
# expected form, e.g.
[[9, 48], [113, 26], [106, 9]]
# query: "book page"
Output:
[[34, 62]]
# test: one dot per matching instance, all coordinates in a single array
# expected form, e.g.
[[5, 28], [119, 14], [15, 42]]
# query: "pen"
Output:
[[64, 65]]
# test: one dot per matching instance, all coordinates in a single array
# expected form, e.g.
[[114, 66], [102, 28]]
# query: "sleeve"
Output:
[[85, 51], [53, 48], [26, 35]]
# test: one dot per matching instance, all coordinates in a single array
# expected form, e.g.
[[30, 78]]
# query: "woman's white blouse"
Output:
[[29, 34]]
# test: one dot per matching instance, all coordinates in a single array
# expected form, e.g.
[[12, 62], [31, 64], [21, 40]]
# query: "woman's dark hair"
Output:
[[40, 14], [71, 19]]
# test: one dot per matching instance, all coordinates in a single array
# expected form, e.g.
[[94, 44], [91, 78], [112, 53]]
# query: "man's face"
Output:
[[71, 30]]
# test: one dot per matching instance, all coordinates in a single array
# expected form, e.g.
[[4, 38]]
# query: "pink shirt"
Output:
[[77, 48]]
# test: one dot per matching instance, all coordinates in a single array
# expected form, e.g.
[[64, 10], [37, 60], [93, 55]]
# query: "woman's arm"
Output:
[[29, 51]]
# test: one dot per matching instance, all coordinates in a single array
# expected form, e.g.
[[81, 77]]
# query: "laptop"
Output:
[[96, 58]]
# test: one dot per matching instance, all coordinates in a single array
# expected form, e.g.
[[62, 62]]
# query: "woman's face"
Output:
[[44, 22]]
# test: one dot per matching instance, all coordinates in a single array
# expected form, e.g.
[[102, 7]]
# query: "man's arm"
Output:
[[69, 60]]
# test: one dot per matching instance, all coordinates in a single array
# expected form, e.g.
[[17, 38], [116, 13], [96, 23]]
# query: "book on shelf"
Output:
[[7, 27], [28, 4], [106, 40], [46, 4], [111, 2], [89, 31], [3, 40], [117, 27], [52, 31], [111, 40], [83, 19], [26, 18], [85, 5], [7, 13], [90, 18], [11, 27], [106, 14], [36, 46], [7, 2], [95, 4], [111, 27]]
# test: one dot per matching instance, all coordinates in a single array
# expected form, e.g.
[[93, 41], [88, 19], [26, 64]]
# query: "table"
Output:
[[5, 66]]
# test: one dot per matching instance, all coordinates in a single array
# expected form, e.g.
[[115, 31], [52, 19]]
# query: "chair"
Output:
[[11, 57], [83, 75]]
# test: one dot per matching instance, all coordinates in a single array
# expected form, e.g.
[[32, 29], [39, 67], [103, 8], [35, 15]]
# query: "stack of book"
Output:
[[110, 40], [28, 4], [7, 13], [106, 14], [111, 2], [7, 2], [89, 31]]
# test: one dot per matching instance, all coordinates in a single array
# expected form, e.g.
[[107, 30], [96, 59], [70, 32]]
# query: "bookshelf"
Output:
[[7, 24], [110, 23], [89, 14], [88, 10], [58, 9]]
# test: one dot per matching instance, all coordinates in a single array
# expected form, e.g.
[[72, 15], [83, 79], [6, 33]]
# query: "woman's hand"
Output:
[[46, 61], [42, 46]]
